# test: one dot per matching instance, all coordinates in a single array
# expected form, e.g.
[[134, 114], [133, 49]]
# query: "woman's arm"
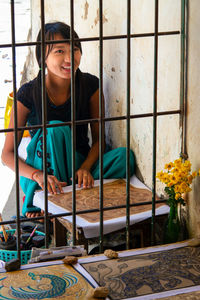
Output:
[[7, 155], [24, 169], [83, 174]]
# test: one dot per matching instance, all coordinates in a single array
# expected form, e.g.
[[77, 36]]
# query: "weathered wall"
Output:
[[193, 139], [86, 15]]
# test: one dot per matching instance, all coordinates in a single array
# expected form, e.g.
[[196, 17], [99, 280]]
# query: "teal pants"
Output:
[[59, 161]]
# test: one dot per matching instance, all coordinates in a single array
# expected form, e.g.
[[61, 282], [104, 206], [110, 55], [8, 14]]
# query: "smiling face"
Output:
[[58, 60]]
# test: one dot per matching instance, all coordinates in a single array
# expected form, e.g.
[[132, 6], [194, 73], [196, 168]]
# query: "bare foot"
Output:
[[35, 214]]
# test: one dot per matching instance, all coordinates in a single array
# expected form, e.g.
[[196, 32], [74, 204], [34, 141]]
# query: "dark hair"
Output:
[[50, 29]]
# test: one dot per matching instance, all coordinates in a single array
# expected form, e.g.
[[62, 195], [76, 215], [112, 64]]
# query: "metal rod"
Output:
[[186, 75], [106, 119], [15, 127], [44, 121], [101, 125], [91, 39], [154, 122], [78, 212], [73, 127], [128, 125], [183, 79]]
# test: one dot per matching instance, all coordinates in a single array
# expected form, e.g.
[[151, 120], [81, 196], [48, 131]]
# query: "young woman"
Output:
[[58, 97]]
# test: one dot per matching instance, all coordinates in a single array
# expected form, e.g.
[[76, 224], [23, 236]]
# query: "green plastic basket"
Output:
[[7, 255]]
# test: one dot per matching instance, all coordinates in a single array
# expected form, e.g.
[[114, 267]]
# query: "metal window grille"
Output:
[[102, 120]]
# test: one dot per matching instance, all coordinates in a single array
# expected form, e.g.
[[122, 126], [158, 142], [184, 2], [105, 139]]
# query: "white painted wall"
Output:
[[142, 54], [193, 139]]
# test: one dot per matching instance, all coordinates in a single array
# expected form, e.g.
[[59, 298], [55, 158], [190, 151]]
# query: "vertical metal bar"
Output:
[[183, 106], [44, 120], [15, 126], [128, 126], [73, 116], [101, 134], [154, 122], [186, 28]]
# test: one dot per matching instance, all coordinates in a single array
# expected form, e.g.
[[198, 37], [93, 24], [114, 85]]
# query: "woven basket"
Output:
[[7, 255]]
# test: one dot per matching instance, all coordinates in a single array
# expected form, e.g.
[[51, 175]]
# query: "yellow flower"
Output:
[[190, 178], [186, 170], [166, 178], [187, 164], [175, 170], [169, 166], [174, 178], [194, 174], [177, 162], [178, 177], [177, 196], [160, 175], [183, 187], [177, 189], [183, 174]]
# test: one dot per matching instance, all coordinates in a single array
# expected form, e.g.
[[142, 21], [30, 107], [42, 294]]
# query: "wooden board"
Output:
[[114, 194], [150, 275], [52, 281]]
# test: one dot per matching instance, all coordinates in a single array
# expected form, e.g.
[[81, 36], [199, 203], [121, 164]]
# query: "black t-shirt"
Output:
[[85, 86]]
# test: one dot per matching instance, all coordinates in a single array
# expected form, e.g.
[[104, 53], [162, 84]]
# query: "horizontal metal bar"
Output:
[[78, 122], [84, 211], [90, 39]]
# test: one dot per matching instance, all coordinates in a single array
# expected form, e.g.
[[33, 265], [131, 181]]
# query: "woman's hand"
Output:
[[84, 177], [54, 186]]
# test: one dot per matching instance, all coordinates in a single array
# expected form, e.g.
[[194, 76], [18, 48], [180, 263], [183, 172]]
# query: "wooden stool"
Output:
[[62, 228]]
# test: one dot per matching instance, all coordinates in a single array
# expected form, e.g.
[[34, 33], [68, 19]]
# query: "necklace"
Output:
[[53, 100], [50, 96]]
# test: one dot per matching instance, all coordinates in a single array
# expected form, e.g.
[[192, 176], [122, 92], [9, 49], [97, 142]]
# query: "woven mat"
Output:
[[148, 274]]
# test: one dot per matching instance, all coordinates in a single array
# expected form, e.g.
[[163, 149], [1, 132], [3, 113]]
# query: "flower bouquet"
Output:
[[178, 178]]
